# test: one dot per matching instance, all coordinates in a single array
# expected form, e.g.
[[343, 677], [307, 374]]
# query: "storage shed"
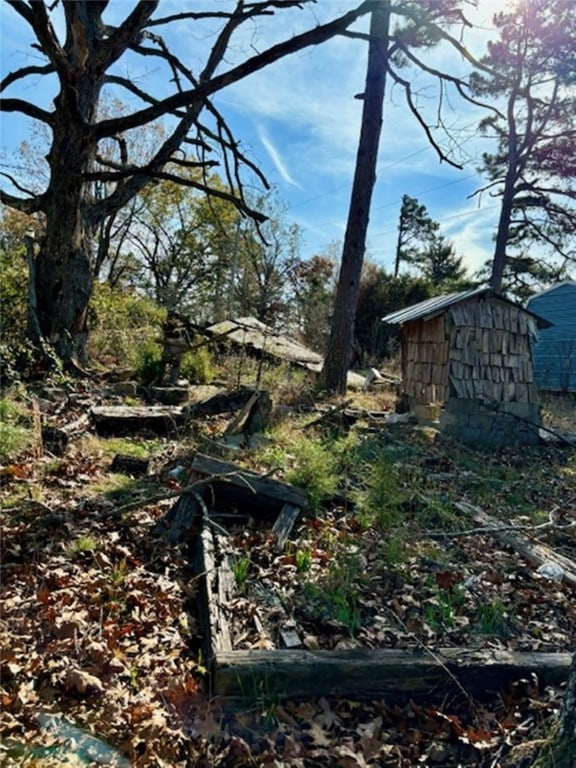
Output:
[[467, 356], [555, 350]]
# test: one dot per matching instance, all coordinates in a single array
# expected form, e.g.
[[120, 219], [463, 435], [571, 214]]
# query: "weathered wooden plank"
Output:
[[161, 419], [244, 480], [178, 525], [367, 673], [216, 595], [284, 523]]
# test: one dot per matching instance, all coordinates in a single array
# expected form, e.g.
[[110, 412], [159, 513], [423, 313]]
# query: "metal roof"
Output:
[[437, 304], [434, 306]]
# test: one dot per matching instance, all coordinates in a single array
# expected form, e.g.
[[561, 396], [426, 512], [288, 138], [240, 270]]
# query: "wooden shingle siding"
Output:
[[468, 357]]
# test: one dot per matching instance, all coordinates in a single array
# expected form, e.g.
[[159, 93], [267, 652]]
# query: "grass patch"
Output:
[[16, 432]]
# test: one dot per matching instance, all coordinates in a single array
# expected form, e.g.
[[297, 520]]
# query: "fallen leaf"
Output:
[[83, 682]]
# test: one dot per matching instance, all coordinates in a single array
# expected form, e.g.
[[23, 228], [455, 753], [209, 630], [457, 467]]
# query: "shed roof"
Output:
[[425, 310]]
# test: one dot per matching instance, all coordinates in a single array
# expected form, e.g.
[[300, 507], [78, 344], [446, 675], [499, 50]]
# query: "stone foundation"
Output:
[[497, 424]]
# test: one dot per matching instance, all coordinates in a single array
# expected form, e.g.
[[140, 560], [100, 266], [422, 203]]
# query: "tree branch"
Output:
[[26, 205], [414, 109], [12, 77], [19, 105], [127, 34], [192, 97]]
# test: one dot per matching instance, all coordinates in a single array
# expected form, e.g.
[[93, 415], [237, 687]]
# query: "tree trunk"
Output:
[[499, 261], [339, 348], [562, 753], [65, 263]]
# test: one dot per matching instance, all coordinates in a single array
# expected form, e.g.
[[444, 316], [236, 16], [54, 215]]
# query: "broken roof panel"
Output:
[[252, 333]]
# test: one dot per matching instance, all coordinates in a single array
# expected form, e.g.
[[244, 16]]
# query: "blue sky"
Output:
[[299, 120]]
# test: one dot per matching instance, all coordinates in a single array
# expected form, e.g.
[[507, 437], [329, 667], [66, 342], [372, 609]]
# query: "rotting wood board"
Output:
[[357, 672], [161, 419], [247, 490]]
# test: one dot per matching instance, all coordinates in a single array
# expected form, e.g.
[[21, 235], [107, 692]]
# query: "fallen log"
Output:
[[537, 554], [372, 673]]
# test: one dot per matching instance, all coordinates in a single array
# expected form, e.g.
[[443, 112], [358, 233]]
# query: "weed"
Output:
[[392, 551], [347, 610], [315, 469], [240, 569], [257, 693], [493, 619], [439, 611], [382, 503], [134, 677], [335, 595], [118, 573], [303, 560], [85, 544]]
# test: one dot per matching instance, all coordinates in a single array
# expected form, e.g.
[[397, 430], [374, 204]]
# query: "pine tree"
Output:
[[533, 169]]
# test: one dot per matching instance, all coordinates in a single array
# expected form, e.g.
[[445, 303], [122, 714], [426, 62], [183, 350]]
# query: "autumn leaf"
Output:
[[83, 682]]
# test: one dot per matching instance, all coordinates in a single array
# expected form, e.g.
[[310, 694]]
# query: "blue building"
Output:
[[555, 351]]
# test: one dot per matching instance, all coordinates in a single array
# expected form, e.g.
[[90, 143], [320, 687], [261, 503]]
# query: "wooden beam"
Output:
[[369, 673]]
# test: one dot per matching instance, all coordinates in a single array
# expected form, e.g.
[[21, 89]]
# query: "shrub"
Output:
[[149, 366], [314, 468], [123, 326], [196, 366]]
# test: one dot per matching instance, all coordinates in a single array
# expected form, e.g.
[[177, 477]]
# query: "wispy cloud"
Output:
[[274, 155]]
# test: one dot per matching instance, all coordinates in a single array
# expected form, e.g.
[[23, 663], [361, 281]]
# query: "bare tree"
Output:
[[82, 63]]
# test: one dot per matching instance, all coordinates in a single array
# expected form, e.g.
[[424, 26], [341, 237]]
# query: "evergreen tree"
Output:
[[421, 246], [533, 68], [380, 294], [415, 230]]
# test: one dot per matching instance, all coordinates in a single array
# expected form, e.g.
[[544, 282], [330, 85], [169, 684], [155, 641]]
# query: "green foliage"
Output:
[[531, 72], [314, 468], [493, 619], [123, 325], [197, 366], [240, 569], [382, 503], [335, 596], [13, 290], [16, 433], [440, 610], [303, 560], [421, 246], [85, 544], [381, 293], [149, 365], [393, 550]]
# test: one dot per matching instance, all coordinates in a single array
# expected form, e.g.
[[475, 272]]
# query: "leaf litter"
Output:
[[101, 660]]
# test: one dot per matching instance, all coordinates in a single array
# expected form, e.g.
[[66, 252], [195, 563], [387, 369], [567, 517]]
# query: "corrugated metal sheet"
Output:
[[425, 310], [555, 351], [434, 306]]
